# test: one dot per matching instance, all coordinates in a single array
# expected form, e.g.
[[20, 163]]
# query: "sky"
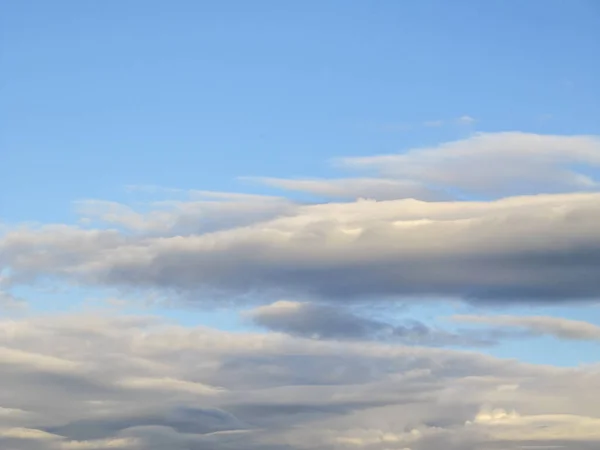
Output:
[[300, 225]]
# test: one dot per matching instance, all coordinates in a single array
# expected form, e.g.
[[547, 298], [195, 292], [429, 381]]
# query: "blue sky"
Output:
[[98, 96]]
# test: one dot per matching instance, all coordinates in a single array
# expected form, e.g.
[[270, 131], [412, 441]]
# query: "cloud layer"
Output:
[[496, 218], [536, 248], [105, 382], [543, 247]]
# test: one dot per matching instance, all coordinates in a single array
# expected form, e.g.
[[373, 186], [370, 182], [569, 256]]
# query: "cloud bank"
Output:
[[106, 382], [535, 248]]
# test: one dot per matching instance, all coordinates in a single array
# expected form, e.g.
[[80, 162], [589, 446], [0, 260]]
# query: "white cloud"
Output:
[[495, 164], [205, 212], [167, 383], [485, 164], [14, 357], [554, 326], [466, 120], [26, 433], [354, 188], [396, 127], [501, 425]]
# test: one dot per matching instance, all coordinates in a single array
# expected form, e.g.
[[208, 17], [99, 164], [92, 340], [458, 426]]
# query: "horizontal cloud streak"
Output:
[[353, 188], [516, 249], [495, 164], [540, 325], [319, 321]]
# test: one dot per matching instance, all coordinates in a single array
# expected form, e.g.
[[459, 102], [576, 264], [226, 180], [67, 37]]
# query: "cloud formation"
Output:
[[355, 188], [321, 321], [540, 325], [534, 248], [485, 165], [495, 164], [128, 382]]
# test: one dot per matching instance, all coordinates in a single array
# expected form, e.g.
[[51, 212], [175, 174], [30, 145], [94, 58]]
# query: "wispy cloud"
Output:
[[539, 325], [353, 188], [486, 164], [466, 120], [494, 164]]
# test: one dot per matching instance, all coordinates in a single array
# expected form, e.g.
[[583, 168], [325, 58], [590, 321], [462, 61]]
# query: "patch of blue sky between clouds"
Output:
[[430, 312], [60, 299]]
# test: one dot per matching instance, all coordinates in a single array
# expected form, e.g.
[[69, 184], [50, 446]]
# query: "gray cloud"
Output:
[[516, 249], [273, 392], [320, 321]]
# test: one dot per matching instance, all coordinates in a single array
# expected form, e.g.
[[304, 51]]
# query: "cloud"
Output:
[[486, 164], [319, 321], [205, 212], [316, 321], [536, 248], [276, 392], [10, 302], [466, 120], [494, 164], [27, 360], [169, 384], [501, 425], [542, 247], [395, 127], [354, 188], [540, 325]]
